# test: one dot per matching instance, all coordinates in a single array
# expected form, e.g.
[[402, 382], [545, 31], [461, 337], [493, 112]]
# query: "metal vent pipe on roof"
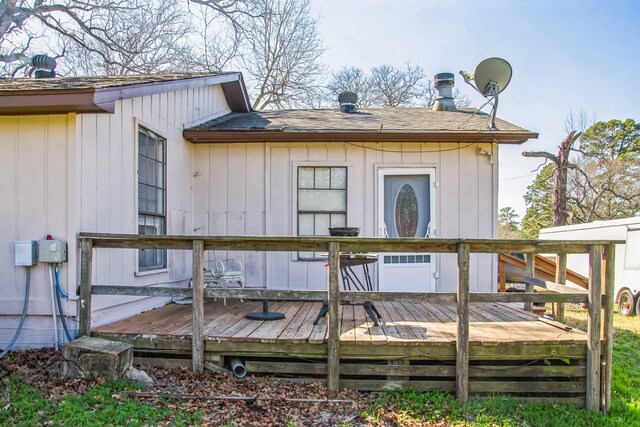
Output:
[[44, 66], [444, 82], [348, 102]]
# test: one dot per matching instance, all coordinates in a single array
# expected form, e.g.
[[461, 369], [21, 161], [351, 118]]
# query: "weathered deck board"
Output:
[[304, 330], [289, 332], [272, 330], [362, 326], [348, 325], [403, 323], [229, 317], [439, 330]]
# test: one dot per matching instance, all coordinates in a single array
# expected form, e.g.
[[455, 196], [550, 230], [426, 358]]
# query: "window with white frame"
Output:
[[322, 202], [152, 196]]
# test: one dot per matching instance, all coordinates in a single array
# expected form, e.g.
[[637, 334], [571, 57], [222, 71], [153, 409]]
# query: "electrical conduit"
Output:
[[24, 314]]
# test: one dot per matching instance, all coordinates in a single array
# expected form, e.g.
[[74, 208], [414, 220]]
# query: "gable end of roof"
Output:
[[99, 94]]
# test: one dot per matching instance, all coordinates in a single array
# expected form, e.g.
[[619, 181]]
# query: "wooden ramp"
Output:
[[511, 351], [545, 268]]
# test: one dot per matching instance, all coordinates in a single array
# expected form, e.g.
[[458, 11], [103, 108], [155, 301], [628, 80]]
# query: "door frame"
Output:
[[382, 172]]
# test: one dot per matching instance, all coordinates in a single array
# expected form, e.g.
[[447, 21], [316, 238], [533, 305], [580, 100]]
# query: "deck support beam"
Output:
[[531, 272], [462, 341], [333, 339], [593, 328], [607, 348], [197, 329], [86, 258], [561, 278]]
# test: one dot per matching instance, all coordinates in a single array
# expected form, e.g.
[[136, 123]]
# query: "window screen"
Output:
[[632, 250], [152, 196]]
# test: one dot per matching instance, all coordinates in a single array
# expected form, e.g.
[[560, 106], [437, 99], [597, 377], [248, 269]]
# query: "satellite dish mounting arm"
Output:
[[493, 90]]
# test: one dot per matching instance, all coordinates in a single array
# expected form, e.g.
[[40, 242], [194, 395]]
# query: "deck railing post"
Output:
[[462, 339], [86, 258], [561, 278], [502, 275], [530, 271], [593, 328], [197, 329], [607, 349], [333, 340]]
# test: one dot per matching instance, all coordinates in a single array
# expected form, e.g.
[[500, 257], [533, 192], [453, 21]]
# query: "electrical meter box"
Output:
[[26, 253], [52, 251]]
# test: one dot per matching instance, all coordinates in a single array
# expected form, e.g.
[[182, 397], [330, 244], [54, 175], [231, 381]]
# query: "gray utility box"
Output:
[[53, 251], [26, 253]]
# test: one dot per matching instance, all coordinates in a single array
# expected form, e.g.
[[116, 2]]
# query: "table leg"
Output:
[[323, 311], [350, 277], [375, 310], [372, 312]]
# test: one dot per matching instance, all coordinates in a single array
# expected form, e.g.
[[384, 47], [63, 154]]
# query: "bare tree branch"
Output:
[[561, 160], [283, 56], [354, 80], [387, 86], [216, 43], [544, 154], [148, 39], [398, 87], [23, 20], [119, 36]]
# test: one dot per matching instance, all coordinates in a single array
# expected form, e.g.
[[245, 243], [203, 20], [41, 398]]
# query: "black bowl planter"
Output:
[[344, 231]]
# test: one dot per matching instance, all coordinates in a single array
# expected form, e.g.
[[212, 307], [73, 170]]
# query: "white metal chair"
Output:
[[224, 273]]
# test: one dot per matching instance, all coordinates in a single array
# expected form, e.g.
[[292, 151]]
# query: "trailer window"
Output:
[[632, 251]]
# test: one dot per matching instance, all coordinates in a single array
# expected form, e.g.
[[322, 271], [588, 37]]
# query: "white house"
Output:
[[69, 150], [184, 154]]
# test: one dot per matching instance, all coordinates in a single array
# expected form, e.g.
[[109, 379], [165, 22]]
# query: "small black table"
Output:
[[350, 279]]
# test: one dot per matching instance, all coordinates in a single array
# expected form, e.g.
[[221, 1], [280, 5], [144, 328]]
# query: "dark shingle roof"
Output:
[[387, 119], [94, 82], [380, 124]]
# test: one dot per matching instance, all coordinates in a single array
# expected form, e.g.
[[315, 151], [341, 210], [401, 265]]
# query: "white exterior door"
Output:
[[406, 209]]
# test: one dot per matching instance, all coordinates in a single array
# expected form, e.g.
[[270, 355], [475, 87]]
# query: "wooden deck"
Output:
[[461, 341], [511, 350], [430, 324]]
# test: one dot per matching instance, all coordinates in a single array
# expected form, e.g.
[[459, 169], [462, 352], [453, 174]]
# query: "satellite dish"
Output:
[[495, 70], [491, 77]]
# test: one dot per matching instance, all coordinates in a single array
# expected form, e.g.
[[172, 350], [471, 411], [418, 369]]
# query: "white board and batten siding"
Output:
[[67, 173], [109, 199], [250, 189], [37, 193]]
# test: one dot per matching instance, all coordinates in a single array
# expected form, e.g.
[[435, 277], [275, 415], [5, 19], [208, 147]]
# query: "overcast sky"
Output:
[[566, 55]]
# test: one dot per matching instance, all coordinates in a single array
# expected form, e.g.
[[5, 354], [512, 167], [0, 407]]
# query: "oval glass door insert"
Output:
[[407, 211]]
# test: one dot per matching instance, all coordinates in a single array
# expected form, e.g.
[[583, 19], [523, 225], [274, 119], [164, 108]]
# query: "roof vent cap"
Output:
[[348, 97], [348, 102], [444, 82], [44, 66]]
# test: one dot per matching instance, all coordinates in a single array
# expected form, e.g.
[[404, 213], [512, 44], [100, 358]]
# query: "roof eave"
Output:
[[102, 100], [200, 136], [32, 102]]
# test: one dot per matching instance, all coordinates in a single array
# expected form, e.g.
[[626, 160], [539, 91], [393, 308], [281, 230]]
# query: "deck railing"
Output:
[[599, 296]]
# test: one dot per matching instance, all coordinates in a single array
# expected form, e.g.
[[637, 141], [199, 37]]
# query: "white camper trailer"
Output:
[[627, 281]]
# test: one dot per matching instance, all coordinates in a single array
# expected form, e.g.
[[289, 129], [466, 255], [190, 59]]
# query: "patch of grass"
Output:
[[23, 405], [107, 404], [625, 388], [410, 407], [407, 407]]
